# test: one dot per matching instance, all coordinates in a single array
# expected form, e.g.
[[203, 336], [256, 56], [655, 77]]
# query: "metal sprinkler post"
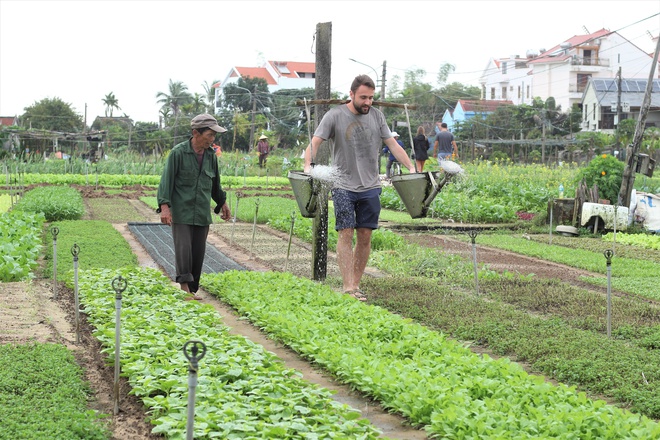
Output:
[[75, 250], [616, 207], [119, 285], [473, 236], [288, 249], [194, 351], [608, 255], [254, 225], [54, 230]]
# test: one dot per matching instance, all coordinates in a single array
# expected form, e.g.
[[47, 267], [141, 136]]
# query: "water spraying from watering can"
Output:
[[325, 173], [451, 168]]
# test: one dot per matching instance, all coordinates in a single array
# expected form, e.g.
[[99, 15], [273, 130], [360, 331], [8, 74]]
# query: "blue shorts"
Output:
[[356, 209]]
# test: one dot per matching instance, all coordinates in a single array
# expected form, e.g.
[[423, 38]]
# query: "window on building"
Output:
[[582, 80], [492, 93], [519, 92], [504, 68], [503, 92], [527, 92], [483, 92], [593, 116]]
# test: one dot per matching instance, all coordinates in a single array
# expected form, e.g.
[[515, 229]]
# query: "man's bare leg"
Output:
[[345, 258], [361, 255]]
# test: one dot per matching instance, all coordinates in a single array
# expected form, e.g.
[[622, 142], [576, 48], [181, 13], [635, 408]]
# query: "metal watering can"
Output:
[[418, 190], [306, 190]]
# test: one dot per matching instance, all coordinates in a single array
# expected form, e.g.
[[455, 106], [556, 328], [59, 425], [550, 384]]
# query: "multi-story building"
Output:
[[563, 71]]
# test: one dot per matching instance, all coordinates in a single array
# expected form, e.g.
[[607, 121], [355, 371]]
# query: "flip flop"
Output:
[[192, 297], [357, 294]]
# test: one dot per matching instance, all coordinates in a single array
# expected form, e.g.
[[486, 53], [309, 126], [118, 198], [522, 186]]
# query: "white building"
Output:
[[564, 70], [279, 75], [601, 99]]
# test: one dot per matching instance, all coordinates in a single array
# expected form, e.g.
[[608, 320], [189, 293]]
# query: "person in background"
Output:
[[391, 159], [445, 147], [358, 131], [263, 149], [189, 181], [421, 148]]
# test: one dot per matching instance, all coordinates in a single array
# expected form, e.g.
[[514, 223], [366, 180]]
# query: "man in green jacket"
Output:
[[188, 183]]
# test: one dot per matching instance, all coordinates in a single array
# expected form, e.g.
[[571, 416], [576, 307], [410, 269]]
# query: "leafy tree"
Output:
[[626, 131], [238, 97], [54, 115], [443, 73], [111, 103], [288, 120]]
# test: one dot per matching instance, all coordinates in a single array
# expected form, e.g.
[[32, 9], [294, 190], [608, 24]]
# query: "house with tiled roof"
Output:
[[467, 109], [563, 71], [279, 75], [8, 121], [602, 96], [11, 142]]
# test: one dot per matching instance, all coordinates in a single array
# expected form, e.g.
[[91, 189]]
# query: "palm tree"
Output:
[[111, 103], [178, 96], [209, 92]]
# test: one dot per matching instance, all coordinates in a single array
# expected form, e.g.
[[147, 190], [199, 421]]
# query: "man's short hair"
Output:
[[362, 80], [443, 125]]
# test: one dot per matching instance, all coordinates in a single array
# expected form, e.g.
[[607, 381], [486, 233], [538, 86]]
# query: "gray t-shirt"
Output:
[[445, 140], [357, 143]]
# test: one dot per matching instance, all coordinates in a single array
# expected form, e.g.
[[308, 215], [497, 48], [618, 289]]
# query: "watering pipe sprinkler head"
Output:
[[608, 255]]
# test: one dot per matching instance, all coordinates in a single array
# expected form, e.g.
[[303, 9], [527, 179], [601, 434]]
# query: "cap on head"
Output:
[[263, 136], [395, 134], [206, 121]]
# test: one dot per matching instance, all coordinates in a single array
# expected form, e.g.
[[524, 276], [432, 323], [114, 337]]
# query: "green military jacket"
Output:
[[188, 189]]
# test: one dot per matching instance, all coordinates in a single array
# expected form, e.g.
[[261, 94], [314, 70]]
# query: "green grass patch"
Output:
[[101, 246], [43, 395]]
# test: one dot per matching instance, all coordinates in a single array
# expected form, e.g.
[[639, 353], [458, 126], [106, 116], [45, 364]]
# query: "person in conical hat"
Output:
[[263, 149]]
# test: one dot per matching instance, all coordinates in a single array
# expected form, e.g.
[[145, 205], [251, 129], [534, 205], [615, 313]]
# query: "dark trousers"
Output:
[[388, 167], [262, 159], [189, 250]]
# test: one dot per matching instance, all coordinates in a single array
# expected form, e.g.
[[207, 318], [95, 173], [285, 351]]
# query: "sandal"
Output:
[[193, 297], [357, 294]]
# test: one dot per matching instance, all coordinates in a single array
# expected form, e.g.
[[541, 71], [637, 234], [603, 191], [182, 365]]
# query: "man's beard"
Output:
[[362, 111]]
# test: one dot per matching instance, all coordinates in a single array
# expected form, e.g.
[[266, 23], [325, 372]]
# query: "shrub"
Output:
[[606, 172]]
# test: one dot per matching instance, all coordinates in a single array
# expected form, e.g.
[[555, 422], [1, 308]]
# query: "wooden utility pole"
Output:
[[618, 109], [322, 93], [254, 111], [382, 82], [632, 150]]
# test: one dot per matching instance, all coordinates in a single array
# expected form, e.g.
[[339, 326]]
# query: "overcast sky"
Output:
[[79, 51]]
